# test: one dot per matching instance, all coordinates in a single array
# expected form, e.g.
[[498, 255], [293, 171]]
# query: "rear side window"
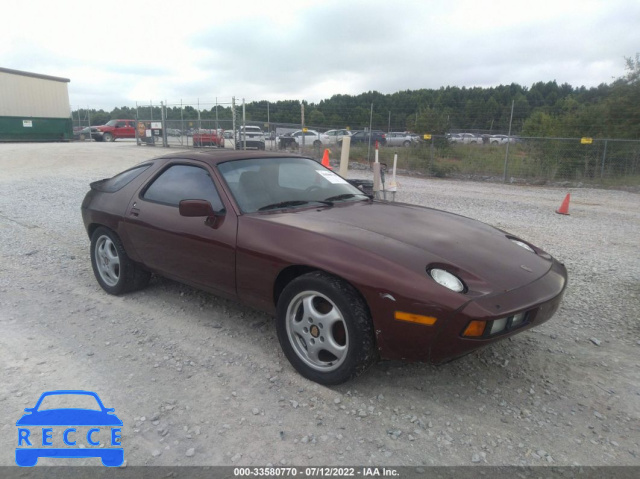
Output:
[[183, 182], [122, 179]]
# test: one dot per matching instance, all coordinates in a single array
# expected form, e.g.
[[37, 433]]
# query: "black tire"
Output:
[[124, 277], [317, 144], [351, 336], [406, 144], [82, 137], [108, 137]]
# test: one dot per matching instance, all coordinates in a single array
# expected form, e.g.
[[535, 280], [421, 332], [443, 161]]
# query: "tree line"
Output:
[[542, 110]]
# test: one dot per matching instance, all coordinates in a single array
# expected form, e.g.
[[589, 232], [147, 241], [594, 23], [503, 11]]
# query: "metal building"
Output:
[[34, 107]]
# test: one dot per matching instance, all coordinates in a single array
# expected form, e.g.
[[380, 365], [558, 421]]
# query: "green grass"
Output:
[[527, 161]]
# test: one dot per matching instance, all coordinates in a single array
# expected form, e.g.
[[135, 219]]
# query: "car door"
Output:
[[130, 129], [194, 250]]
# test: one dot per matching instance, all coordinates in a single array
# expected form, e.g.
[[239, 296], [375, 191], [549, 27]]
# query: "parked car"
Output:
[[465, 138], [251, 136], [211, 137], [349, 278], [336, 135], [81, 134], [114, 129], [173, 132], [363, 137], [311, 138], [287, 141], [501, 139], [405, 139]]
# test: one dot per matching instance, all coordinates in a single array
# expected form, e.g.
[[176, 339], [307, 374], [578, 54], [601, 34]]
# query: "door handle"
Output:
[[134, 212]]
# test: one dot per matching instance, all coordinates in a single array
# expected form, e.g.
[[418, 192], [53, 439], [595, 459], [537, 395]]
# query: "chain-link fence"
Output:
[[533, 160], [473, 154]]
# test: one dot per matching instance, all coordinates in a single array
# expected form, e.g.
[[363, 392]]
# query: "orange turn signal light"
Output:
[[415, 318], [475, 329]]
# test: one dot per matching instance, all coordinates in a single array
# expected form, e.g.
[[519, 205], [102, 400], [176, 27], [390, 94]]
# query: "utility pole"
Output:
[[302, 121], [370, 135], [233, 120], [506, 155], [389, 125], [244, 126]]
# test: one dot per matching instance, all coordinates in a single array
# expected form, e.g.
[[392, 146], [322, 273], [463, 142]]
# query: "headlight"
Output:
[[447, 280], [522, 244]]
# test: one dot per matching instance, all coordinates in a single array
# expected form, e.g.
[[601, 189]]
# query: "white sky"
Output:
[[118, 53]]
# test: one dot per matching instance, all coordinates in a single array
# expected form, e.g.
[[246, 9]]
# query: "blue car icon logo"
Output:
[[67, 432]]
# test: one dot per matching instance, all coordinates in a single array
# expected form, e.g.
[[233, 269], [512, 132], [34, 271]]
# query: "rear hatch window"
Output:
[[110, 185]]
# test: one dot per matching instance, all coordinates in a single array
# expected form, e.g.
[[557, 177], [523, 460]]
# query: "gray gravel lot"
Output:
[[198, 380]]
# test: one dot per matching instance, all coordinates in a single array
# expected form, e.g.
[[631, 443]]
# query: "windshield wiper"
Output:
[[285, 204], [345, 196]]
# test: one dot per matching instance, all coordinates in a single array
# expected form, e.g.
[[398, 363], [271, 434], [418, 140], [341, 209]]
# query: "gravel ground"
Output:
[[198, 380]]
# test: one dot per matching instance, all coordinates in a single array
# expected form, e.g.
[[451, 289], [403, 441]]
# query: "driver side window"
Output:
[[183, 182]]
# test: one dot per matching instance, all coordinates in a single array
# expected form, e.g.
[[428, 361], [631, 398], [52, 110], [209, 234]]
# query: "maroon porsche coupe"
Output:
[[350, 279]]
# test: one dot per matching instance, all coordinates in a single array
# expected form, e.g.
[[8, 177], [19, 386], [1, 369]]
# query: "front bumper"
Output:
[[443, 341], [539, 299]]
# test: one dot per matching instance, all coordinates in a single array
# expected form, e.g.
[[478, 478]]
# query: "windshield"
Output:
[[111, 123], [277, 183], [69, 401]]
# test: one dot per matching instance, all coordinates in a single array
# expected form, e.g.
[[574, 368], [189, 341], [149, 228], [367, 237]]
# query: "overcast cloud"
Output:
[[279, 50]]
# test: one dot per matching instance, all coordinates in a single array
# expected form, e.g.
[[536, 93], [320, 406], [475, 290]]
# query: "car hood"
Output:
[[418, 237], [69, 417]]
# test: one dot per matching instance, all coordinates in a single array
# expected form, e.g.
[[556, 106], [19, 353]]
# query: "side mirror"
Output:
[[28, 409], [196, 208]]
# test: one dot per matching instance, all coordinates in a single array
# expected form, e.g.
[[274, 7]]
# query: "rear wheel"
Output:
[[325, 329], [113, 269], [317, 143]]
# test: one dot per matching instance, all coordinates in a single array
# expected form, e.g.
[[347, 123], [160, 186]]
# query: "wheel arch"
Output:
[[92, 228], [292, 272]]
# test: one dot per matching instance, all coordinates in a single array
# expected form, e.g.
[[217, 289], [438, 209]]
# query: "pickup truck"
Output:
[[113, 130], [208, 138]]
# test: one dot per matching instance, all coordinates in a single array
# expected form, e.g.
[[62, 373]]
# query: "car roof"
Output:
[[214, 157]]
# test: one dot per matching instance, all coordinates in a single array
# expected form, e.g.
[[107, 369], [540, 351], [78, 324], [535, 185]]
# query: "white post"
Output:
[[376, 175], [393, 186], [344, 157]]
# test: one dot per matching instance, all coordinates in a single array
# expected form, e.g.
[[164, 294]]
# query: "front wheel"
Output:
[[108, 137], [113, 269], [406, 144], [325, 329]]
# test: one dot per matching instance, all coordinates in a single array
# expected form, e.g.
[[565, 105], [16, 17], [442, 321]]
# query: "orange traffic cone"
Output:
[[564, 208], [325, 159]]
